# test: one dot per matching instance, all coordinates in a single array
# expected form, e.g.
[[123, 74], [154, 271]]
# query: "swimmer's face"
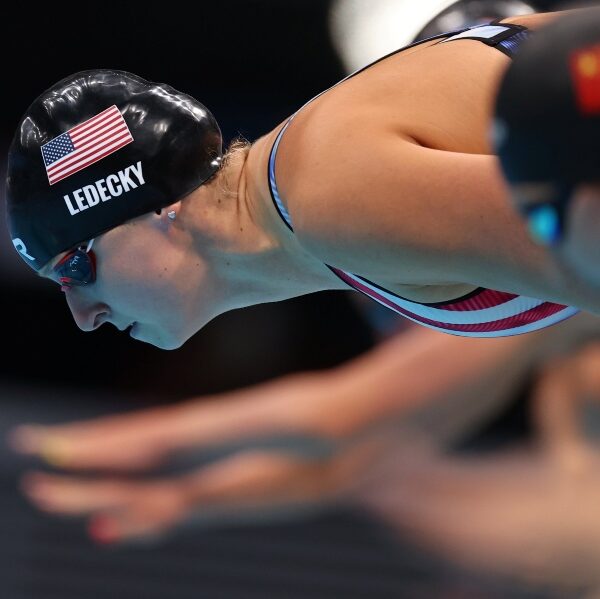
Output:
[[145, 274], [579, 246]]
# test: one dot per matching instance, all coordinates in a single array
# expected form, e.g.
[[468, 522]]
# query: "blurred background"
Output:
[[253, 62]]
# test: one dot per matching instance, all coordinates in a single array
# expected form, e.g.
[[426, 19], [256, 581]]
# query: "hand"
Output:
[[324, 460], [521, 510]]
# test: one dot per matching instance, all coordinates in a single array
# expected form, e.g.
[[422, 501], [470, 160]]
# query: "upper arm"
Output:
[[394, 211]]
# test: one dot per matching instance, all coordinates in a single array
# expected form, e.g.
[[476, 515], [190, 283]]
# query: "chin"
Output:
[[161, 342], [166, 342], [170, 346]]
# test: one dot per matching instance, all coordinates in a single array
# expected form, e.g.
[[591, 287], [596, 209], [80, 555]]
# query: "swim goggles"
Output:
[[77, 267]]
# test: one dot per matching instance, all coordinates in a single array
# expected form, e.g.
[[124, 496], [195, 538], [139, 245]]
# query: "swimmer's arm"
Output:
[[472, 378], [414, 215]]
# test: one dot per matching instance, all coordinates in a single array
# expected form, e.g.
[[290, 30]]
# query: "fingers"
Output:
[[153, 510], [126, 510], [240, 486], [74, 496], [260, 479], [257, 478], [118, 511], [122, 442], [144, 439]]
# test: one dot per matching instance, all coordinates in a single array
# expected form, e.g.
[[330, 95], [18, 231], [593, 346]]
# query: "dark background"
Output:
[[252, 63]]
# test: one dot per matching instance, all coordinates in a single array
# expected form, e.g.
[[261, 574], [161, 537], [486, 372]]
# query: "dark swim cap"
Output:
[[97, 149], [547, 117]]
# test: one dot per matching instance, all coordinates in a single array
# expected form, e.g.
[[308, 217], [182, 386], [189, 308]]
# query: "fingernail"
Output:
[[103, 530], [56, 451]]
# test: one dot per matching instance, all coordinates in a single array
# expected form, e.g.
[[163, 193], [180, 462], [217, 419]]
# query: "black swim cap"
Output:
[[547, 115], [97, 149]]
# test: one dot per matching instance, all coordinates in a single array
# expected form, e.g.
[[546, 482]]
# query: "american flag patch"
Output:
[[85, 144]]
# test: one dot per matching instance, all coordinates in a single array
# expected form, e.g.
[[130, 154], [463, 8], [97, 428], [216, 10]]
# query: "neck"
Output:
[[256, 256]]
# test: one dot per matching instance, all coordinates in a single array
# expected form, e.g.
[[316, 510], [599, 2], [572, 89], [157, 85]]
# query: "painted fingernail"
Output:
[[103, 530], [56, 451]]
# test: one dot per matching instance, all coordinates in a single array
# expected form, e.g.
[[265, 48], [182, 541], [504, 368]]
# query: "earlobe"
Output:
[[169, 213]]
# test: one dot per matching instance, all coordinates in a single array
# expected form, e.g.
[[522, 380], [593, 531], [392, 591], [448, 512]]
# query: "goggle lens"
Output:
[[77, 267]]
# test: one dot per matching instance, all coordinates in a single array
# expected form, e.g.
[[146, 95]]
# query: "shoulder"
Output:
[[370, 200], [346, 188], [319, 161], [439, 98]]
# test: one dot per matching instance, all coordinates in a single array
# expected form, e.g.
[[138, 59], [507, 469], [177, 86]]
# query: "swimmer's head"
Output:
[[167, 271], [107, 156], [97, 149], [547, 122]]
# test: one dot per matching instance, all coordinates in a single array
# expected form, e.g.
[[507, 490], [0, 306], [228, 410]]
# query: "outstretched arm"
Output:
[[303, 439]]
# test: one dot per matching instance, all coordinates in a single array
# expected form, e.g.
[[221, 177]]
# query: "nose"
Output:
[[87, 316]]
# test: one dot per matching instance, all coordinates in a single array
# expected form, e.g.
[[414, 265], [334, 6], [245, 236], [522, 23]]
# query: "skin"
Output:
[[173, 277], [228, 248], [312, 407], [529, 512]]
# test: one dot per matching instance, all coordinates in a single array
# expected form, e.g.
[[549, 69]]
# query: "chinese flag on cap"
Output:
[[584, 65]]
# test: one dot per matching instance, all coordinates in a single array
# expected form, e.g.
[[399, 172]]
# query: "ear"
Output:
[[162, 213]]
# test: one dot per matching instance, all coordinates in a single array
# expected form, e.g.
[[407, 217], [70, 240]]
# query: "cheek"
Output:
[[581, 247], [141, 275], [160, 284]]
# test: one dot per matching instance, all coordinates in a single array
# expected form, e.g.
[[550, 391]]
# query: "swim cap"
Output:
[[97, 149], [547, 114]]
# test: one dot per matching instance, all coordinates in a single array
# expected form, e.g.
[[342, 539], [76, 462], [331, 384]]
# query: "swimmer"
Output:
[[386, 183], [551, 157], [373, 433]]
